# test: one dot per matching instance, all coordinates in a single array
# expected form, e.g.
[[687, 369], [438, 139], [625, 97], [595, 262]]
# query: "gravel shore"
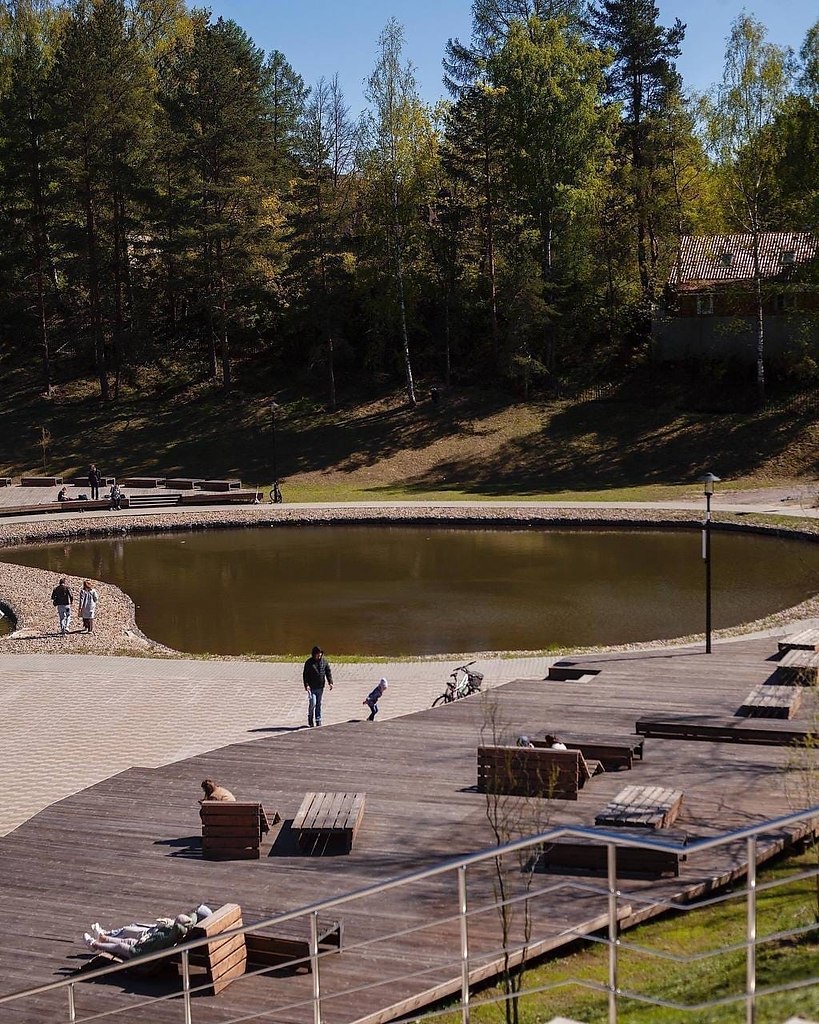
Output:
[[25, 592]]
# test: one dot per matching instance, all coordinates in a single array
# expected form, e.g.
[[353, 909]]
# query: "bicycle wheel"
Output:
[[443, 699]]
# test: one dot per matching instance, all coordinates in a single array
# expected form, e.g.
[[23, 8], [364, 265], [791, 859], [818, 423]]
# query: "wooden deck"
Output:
[[128, 848]]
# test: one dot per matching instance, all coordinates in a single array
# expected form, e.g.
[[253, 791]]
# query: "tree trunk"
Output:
[[402, 306], [94, 282], [227, 380], [760, 324]]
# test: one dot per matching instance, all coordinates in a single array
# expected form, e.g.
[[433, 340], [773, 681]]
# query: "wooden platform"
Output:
[[129, 848], [767, 701], [799, 665]]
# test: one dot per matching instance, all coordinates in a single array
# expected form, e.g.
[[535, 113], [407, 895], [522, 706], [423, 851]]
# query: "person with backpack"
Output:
[[62, 599]]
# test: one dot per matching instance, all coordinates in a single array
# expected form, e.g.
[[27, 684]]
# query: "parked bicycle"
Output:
[[461, 683], [275, 494]]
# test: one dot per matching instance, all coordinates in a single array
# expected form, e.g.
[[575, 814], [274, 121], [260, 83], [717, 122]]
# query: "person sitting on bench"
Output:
[[554, 742], [63, 495], [213, 791], [115, 495], [134, 939]]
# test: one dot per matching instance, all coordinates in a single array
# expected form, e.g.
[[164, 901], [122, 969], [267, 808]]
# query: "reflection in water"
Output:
[[431, 590]]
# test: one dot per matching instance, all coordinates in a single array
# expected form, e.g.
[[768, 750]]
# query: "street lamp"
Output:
[[276, 493], [707, 480]]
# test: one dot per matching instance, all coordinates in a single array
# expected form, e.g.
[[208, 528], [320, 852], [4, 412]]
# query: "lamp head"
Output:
[[708, 480]]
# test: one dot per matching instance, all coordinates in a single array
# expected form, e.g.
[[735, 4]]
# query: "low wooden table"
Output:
[[329, 816], [642, 807]]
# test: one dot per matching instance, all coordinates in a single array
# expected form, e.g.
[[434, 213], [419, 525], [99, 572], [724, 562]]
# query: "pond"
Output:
[[433, 590]]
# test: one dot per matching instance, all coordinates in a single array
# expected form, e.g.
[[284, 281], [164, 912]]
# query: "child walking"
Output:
[[372, 698]]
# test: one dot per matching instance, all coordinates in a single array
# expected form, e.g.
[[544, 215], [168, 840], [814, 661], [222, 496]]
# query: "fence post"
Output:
[[314, 964], [613, 939], [72, 1007], [750, 936], [464, 944], [186, 985]]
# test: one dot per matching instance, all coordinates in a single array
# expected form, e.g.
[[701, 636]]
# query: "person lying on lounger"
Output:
[[134, 939]]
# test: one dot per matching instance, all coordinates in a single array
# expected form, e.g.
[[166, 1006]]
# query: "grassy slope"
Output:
[[473, 445]]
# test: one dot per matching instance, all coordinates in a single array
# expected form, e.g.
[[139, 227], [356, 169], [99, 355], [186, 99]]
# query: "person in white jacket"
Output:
[[87, 605]]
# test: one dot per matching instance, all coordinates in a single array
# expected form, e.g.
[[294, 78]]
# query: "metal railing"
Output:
[[485, 888]]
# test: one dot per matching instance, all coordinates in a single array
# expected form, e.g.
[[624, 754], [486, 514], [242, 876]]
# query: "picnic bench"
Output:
[[233, 830], [533, 771], [766, 701], [328, 818], [805, 640], [291, 951], [590, 856], [798, 666], [642, 807], [612, 753], [717, 728]]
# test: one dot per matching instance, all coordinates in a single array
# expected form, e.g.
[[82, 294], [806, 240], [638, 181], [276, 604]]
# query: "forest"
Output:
[[173, 198]]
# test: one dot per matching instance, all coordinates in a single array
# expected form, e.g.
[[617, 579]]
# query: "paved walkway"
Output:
[[70, 721]]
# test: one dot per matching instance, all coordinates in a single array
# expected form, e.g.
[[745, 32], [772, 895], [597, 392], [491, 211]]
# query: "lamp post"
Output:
[[274, 408], [707, 480]]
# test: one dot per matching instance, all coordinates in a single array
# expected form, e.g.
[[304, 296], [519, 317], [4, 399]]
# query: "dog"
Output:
[[213, 791]]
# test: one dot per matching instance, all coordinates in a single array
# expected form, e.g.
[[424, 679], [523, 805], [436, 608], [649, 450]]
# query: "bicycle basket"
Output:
[[475, 679]]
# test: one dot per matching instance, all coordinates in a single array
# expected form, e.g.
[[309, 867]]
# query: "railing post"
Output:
[[72, 1007], [314, 964], [613, 938], [186, 985], [750, 936], [464, 944]]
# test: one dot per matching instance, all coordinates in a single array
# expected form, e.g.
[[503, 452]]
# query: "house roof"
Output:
[[725, 258]]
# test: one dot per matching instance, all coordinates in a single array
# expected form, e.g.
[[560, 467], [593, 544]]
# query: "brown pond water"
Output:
[[432, 590]]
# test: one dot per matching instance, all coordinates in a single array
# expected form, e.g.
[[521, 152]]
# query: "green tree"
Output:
[[399, 152], [285, 98], [755, 86], [643, 79], [103, 102], [219, 151]]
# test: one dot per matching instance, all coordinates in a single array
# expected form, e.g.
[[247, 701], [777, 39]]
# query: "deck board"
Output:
[[127, 848]]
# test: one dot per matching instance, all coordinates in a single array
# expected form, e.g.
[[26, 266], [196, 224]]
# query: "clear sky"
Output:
[[322, 37]]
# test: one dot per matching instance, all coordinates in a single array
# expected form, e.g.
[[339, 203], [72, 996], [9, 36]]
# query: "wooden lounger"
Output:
[[533, 771], [233, 830], [224, 959], [716, 728]]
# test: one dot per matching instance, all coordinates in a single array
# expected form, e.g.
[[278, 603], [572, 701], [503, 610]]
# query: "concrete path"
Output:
[[70, 721]]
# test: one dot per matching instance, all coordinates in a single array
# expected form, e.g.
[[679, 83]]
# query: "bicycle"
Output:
[[274, 495], [461, 683]]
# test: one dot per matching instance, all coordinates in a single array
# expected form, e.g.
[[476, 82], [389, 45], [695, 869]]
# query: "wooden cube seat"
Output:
[[649, 807], [533, 771], [234, 830], [766, 701]]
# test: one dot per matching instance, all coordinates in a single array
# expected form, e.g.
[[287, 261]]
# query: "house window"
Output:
[[786, 257], [705, 304], [726, 259]]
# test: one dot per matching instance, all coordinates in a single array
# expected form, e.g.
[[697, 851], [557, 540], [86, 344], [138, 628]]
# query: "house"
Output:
[[709, 308]]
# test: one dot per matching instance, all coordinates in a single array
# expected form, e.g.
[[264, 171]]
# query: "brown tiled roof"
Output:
[[730, 257]]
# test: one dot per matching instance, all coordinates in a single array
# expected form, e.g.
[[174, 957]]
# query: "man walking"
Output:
[[316, 672], [62, 598]]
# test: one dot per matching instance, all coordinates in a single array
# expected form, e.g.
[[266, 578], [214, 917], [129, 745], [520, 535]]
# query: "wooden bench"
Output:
[[233, 830], [182, 483], [587, 857], [219, 485], [329, 817], [798, 666], [5, 481], [766, 701], [611, 754], [41, 481], [224, 959], [805, 640], [82, 481], [713, 728], [533, 771], [229, 497], [642, 807], [291, 952], [143, 481]]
